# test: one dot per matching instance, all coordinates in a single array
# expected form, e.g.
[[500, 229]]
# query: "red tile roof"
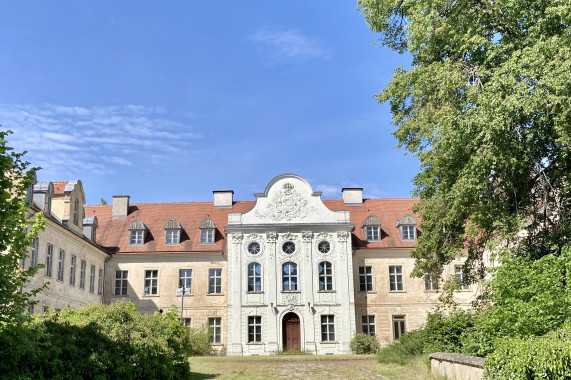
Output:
[[59, 187], [113, 235]]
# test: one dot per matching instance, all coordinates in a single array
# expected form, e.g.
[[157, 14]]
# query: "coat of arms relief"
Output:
[[286, 205]]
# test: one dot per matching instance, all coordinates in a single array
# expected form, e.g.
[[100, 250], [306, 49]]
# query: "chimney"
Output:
[[120, 206], [223, 198], [352, 196]]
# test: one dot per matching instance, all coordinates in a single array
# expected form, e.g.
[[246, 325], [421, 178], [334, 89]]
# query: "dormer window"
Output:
[[172, 232], [137, 233], [76, 212], [207, 231], [407, 228], [372, 228]]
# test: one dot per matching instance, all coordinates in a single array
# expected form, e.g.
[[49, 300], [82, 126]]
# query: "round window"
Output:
[[324, 247], [288, 247], [254, 248]]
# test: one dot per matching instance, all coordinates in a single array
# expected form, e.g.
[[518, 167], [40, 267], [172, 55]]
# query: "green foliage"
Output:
[[365, 344], [546, 357], [200, 344], [17, 230], [486, 108], [97, 342], [408, 346], [446, 333]]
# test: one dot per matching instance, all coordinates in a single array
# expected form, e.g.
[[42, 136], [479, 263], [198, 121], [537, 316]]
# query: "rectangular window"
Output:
[[120, 283], [100, 283], [45, 309], [92, 279], [289, 277], [82, 275], [399, 327], [185, 280], [172, 237], [365, 279], [34, 253], [395, 275], [49, 254], [372, 233], [60, 263], [327, 328], [186, 322], [254, 277], [151, 282], [72, 270], [254, 329], [215, 281], [368, 324], [325, 275], [31, 309], [430, 282], [459, 272], [215, 325], [207, 236], [136, 237], [408, 232]]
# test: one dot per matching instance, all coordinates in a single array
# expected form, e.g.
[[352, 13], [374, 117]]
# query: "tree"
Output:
[[486, 108], [17, 229]]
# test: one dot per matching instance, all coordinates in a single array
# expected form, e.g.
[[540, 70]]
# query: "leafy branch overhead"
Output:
[[486, 108]]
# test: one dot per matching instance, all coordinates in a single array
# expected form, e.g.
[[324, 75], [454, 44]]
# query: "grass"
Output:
[[305, 367]]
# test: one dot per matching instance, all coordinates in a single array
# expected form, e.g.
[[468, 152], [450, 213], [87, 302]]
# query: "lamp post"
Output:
[[181, 302]]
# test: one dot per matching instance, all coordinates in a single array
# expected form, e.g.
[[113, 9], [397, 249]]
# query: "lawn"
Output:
[[305, 367]]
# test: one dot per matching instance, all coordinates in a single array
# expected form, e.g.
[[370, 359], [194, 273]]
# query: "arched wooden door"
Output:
[[291, 331]]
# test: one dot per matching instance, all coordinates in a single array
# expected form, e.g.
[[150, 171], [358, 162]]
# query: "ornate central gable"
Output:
[[288, 198]]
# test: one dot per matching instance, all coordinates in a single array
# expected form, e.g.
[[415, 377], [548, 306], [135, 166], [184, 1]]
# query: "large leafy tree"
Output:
[[17, 229], [486, 108]]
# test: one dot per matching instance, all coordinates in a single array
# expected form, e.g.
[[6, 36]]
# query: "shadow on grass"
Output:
[[202, 376]]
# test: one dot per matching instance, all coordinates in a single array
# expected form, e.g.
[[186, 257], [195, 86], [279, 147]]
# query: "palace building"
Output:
[[288, 271]]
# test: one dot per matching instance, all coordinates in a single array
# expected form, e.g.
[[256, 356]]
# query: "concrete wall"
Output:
[[457, 367]]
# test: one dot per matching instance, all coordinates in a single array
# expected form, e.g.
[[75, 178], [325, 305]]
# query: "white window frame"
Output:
[[408, 232], [328, 328], [172, 237], [254, 329], [368, 325], [292, 278], [215, 323], [151, 287], [184, 279], [121, 279], [60, 264], [459, 273], [366, 278], [100, 282], [72, 269], [254, 279], [34, 253], [215, 281], [374, 232], [396, 278], [136, 237], [431, 282], [399, 326], [207, 236], [49, 259], [92, 279], [82, 274], [76, 212], [325, 277]]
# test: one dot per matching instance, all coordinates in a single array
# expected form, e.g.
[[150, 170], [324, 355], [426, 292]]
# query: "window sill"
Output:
[[254, 292], [365, 292], [215, 294], [118, 296], [291, 291], [151, 295], [329, 342], [326, 291], [397, 291], [186, 295], [206, 243], [255, 344]]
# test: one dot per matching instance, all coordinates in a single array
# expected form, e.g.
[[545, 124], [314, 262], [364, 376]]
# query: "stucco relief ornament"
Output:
[[306, 236], [286, 205], [271, 237], [236, 241], [290, 300], [342, 237]]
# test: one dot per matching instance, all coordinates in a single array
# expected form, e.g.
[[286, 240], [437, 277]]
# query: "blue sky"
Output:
[[168, 100]]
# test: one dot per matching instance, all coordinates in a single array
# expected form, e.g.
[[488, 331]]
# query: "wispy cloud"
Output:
[[97, 139], [328, 190], [288, 45]]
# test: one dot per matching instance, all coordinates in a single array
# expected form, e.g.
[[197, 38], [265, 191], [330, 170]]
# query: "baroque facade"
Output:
[[288, 271]]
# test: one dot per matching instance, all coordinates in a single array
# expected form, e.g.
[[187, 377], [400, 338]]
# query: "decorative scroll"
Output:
[[286, 205]]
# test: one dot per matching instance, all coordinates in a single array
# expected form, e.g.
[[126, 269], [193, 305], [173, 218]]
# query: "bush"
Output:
[[547, 357], [97, 342], [365, 344], [409, 345], [447, 333], [200, 344]]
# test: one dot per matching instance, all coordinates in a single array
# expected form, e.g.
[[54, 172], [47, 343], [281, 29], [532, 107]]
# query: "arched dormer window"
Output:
[[407, 228], [372, 228], [207, 231], [137, 231], [76, 212], [172, 232]]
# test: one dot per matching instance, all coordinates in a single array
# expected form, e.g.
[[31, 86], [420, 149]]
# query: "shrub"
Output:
[[409, 345], [200, 344], [365, 344], [447, 333]]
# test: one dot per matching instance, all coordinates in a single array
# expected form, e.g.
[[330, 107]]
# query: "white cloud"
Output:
[[288, 44], [328, 190], [64, 139]]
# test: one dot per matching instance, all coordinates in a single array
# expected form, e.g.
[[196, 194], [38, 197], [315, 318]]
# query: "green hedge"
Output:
[[365, 344]]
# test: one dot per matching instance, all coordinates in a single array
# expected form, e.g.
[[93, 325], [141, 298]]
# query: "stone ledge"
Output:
[[473, 361]]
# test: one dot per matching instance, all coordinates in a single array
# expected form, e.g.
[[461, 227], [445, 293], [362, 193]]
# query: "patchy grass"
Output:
[[305, 367]]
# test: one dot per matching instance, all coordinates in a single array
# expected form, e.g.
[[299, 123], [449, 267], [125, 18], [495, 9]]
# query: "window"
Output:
[[49, 253], [289, 277], [120, 283], [186, 322], [207, 229], [100, 283], [60, 265], [31, 309], [408, 233], [45, 309], [76, 212], [459, 272], [34, 253], [185, 280], [215, 281], [215, 325], [151, 282], [82, 275], [137, 232], [368, 324], [254, 248], [430, 282], [92, 279], [324, 247], [327, 328], [372, 228], [407, 228], [325, 275], [72, 270], [172, 232], [254, 329], [288, 247], [395, 275], [254, 277], [399, 327], [365, 279]]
